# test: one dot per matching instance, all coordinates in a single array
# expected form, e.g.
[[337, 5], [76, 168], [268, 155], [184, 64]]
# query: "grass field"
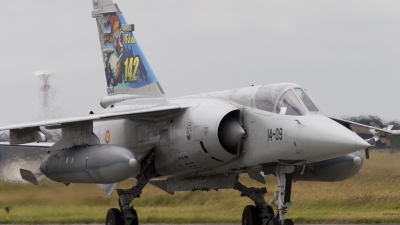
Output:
[[372, 196]]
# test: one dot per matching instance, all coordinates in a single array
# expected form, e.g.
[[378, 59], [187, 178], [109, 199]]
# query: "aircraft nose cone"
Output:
[[321, 138]]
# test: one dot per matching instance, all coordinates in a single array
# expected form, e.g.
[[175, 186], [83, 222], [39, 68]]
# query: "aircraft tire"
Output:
[[114, 217], [273, 221], [288, 222], [270, 210], [251, 216], [136, 220]]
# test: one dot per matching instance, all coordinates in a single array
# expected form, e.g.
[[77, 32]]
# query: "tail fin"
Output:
[[126, 68]]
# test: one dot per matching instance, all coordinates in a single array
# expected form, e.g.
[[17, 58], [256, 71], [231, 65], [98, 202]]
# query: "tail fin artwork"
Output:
[[126, 68]]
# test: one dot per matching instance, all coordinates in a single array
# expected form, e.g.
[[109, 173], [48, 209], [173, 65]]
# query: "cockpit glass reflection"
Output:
[[306, 100], [290, 105]]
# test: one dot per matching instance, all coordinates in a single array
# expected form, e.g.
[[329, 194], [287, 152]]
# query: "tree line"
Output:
[[368, 119]]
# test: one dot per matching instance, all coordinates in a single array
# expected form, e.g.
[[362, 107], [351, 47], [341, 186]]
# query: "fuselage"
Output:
[[281, 124]]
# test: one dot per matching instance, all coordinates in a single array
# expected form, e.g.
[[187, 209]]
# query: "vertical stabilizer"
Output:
[[126, 68]]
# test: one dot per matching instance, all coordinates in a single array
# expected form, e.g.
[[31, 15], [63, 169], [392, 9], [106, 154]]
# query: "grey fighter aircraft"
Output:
[[200, 142]]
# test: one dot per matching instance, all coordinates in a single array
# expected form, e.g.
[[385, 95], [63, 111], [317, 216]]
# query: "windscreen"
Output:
[[306, 100], [267, 95], [289, 104]]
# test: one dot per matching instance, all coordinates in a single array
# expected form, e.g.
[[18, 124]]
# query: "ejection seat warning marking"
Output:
[[278, 134], [107, 137]]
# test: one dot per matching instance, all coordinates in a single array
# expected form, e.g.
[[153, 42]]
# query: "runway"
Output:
[[240, 224], [200, 224]]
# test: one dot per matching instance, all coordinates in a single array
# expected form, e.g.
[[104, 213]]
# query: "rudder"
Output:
[[126, 68]]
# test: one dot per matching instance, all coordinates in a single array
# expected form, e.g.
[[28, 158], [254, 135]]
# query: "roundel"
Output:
[[107, 137]]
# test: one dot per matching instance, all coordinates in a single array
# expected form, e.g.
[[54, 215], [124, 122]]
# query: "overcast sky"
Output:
[[345, 53]]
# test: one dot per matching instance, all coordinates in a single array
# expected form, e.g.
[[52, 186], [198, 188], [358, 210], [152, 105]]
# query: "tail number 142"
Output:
[[131, 67]]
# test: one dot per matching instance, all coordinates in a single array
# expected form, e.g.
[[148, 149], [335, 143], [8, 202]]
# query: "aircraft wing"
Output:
[[34, 145], [360, 128], [383, 134], [30, 132], [150, 112]]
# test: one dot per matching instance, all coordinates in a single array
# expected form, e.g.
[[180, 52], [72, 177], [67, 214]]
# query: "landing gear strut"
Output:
[[259, 214], [127, 215], [284, 174]]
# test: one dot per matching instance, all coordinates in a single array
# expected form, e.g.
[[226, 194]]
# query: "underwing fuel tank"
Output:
[[100, 164], [330, 170]]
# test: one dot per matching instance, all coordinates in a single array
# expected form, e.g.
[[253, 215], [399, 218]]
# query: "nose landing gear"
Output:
[[284, 174]]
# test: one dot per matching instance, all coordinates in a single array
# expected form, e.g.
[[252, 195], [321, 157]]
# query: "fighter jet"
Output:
[[199, 142]]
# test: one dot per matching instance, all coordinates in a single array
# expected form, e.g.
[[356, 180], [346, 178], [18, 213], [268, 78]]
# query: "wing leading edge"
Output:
[[150, 112], [31, 132]]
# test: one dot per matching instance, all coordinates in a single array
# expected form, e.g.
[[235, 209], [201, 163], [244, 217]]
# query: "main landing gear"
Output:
[[126, 214], [261, 213]]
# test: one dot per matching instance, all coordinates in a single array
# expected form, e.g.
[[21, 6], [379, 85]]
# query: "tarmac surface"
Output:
[[199, 224]]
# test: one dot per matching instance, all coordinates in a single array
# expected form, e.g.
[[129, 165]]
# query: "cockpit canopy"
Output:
[[286, 99]]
